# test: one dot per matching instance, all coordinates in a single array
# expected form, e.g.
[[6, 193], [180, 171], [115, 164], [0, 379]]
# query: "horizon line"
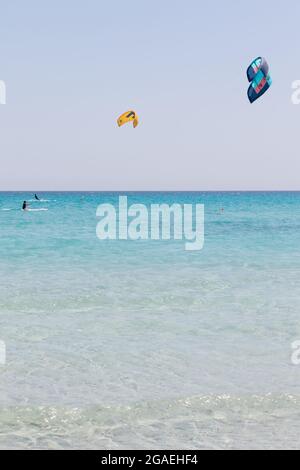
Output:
[[153, 191]]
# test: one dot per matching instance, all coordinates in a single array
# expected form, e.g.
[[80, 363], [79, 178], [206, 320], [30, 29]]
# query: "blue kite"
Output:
[[259, 77]]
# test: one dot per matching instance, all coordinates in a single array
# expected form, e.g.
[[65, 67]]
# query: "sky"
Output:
[[72, 67]]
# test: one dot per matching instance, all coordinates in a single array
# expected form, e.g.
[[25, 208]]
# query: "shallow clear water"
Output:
[[123, 344]]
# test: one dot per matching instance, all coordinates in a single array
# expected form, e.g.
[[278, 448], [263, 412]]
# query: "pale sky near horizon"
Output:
[[71, 67]]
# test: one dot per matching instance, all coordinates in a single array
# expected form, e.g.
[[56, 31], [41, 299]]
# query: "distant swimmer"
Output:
[[25, 206], [36, 197]]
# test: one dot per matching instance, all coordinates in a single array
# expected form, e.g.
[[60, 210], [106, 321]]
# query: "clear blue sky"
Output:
[[71, 67]]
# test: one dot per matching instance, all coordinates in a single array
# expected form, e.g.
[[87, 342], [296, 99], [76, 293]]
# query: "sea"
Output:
[[141, 344]]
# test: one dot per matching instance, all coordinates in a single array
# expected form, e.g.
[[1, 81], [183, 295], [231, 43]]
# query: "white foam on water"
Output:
[[36, 210]]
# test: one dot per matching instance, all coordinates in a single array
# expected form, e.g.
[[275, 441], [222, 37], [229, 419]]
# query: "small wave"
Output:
[[36, 210]]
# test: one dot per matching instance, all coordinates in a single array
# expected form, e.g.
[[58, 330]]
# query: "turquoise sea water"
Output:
[[123, 344]]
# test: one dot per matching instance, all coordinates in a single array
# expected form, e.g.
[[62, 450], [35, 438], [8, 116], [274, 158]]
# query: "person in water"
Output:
[[36, 197], [25, 206]]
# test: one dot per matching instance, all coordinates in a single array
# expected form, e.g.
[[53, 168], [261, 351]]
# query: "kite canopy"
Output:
[[129, 116], [258, 75]]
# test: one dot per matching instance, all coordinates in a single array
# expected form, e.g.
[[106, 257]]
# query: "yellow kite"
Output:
[[128, 117]]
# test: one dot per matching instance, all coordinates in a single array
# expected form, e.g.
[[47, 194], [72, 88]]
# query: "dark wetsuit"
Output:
[[36, 197], [24, 207]]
